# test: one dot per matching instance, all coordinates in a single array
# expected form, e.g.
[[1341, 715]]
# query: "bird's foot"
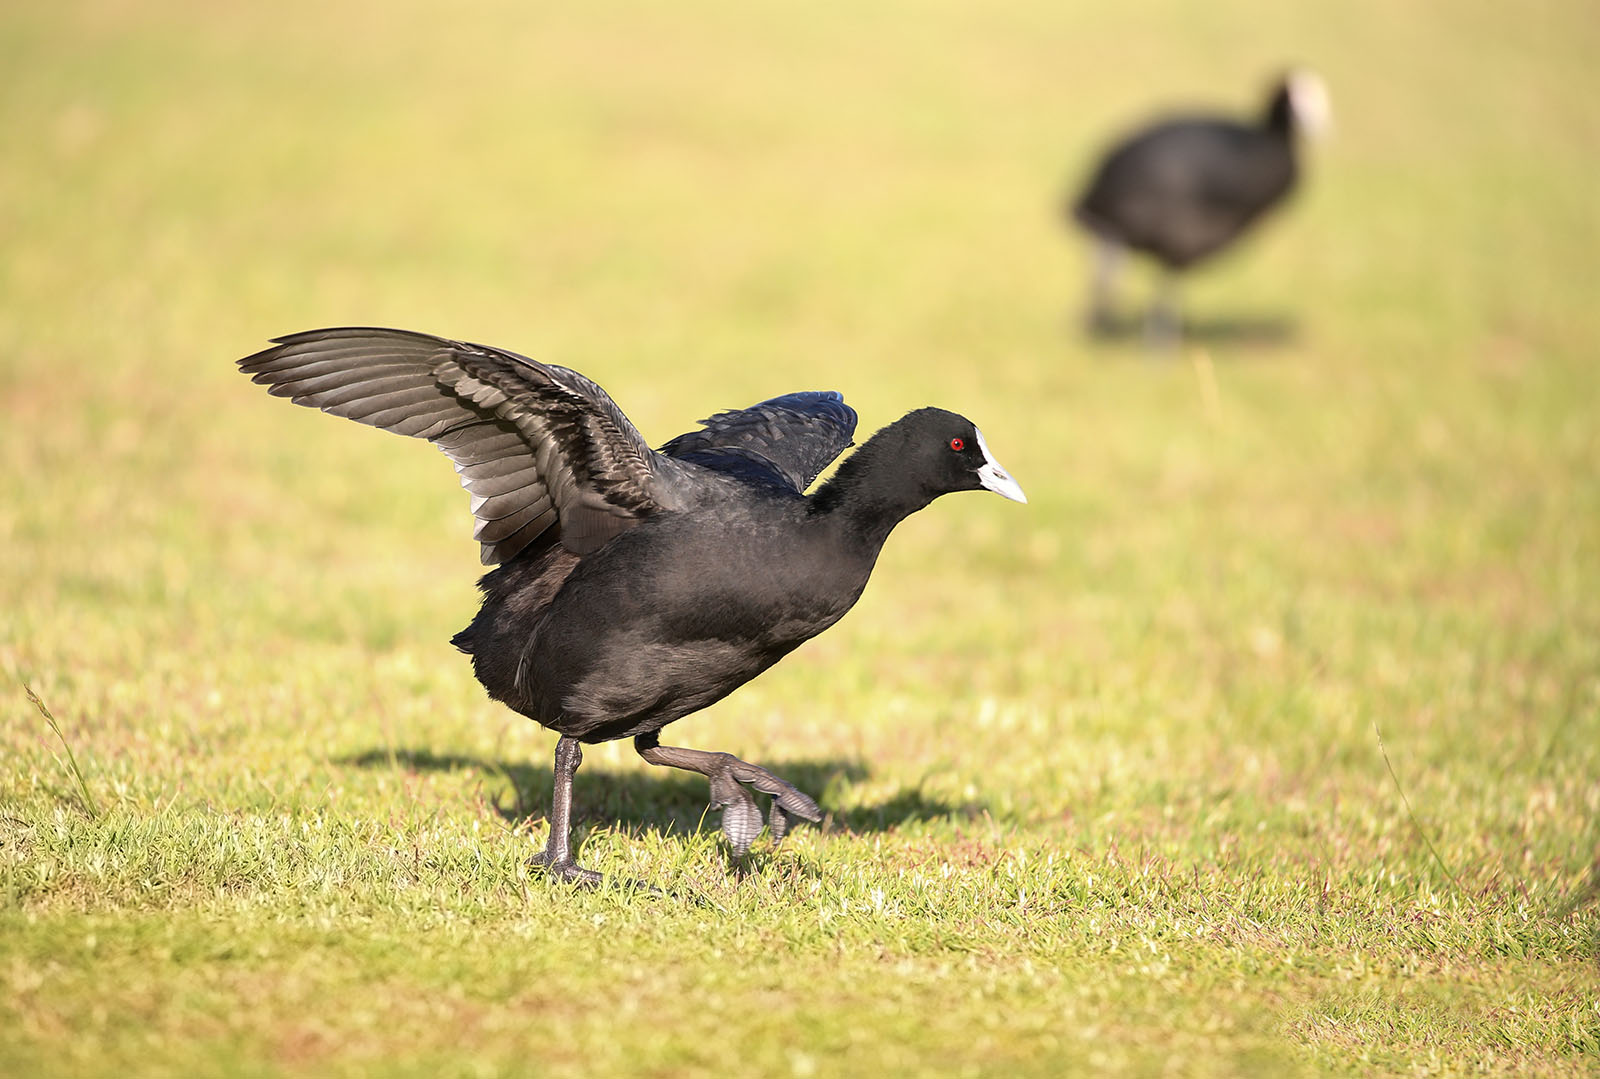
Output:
[[1163, 329], [741, 820], [570, 872], [563, 867], [1102, 323]]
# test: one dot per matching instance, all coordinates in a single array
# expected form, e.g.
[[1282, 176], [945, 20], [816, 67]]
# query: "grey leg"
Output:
[[557, 854], [1166, 322], [1107, 261], [741, 821]]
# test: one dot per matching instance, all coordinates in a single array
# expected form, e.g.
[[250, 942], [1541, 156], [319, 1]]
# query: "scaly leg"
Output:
[[741, 820], [557, 854]]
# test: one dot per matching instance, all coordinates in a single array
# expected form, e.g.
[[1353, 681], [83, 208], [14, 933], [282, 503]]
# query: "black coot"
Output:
[[1186, 188], [636, 586]]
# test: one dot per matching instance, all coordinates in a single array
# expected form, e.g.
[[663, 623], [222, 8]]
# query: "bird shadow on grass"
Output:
[[1216, 331], [666, 799]]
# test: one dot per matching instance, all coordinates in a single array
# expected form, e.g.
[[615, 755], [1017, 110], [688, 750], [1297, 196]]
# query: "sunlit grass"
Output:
[[1103, 777]]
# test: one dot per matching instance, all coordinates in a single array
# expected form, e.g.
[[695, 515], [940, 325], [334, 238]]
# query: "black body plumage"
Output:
[[1185, 188], [636, 586]]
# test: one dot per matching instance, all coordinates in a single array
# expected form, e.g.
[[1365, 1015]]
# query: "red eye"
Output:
[[956, 444]]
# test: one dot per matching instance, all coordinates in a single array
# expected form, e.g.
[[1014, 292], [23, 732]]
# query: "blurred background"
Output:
[[1237, 559]]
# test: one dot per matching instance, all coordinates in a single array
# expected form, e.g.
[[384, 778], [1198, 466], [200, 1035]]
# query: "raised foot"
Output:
[[741, 820]]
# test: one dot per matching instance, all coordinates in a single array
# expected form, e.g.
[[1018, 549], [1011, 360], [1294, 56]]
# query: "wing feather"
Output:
[[786, 441], [537, 446]]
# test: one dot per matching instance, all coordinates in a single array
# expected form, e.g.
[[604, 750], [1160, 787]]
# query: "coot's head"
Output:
[[1300, 104], [947, 453]]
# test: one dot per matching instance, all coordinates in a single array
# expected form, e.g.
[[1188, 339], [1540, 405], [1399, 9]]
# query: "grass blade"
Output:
[[1412, 813], [90, 806]]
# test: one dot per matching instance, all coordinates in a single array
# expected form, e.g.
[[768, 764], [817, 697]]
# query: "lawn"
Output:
[[1264, 740]]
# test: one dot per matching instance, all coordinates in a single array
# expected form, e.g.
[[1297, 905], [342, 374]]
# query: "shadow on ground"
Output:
[[1231, 331], [665, 798]]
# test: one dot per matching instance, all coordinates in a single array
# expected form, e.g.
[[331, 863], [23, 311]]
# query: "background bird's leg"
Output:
[[1165, 323], [741, 821], [557, 854], [1102, 317]]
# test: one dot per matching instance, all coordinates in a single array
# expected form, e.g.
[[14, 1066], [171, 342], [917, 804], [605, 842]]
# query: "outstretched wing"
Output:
[[786, 441], [537, 446]]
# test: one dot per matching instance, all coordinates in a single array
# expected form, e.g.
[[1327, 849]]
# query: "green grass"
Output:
[[1103, 775]]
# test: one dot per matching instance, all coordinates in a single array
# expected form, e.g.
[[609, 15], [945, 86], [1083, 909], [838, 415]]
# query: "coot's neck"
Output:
[[1280, 113], [870, 492]]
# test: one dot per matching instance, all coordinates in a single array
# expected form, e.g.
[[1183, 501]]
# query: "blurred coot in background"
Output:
[[1185, 188]]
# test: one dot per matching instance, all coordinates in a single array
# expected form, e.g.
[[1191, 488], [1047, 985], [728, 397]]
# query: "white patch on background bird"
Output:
[[1308, 98]]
